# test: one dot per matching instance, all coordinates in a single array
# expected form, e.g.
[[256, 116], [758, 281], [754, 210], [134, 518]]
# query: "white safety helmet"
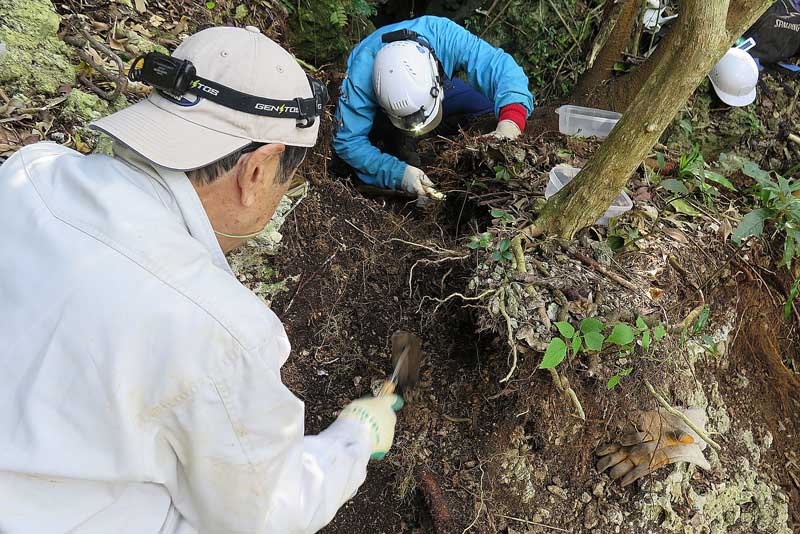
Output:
[[735, 77], [406, 80]]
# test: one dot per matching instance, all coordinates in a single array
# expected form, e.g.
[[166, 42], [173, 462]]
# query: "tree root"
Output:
[[442, 520], [563, 386], [677, 413], [502, 305], [519, 254]]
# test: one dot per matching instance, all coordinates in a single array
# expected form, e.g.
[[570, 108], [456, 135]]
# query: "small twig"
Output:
[[480, 506], [437, 250], [534, 523], [457, 419], [564, 22], [794, 139], [682, 416]]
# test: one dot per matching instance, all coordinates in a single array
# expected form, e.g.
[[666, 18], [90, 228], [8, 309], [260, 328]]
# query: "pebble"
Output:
[[58, 137], [586, 498], [614, 516], [599, 489], [557, 491], [590, 517]]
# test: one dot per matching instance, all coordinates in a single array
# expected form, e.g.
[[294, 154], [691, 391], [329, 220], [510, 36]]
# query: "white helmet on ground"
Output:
[[735, 77], [406, 80]]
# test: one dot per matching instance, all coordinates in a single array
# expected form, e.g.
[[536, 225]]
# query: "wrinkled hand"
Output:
[[416, 182], [506, 129], [662, 439], [377, 414]]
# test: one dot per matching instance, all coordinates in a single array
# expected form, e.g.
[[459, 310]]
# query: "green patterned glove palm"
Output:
[[377, 414]]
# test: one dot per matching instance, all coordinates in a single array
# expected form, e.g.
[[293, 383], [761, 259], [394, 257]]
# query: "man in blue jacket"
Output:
[[399, 88]]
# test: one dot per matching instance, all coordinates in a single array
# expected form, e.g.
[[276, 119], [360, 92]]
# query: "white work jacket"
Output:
[[140, 387]]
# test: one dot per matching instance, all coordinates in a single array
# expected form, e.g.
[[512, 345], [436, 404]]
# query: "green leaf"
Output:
[[681, 206], [241, 12], [685, 125], [594, 341], [501, 173], [565, 329], [616, 243], [622, 334], [675, 186], [555, 353], [702, 320], [504, 245], [660, 160], [613, 382], [721, 180], [576, 343], [751, 224], [787, 308], [211, 5], [753, 171], [626, 372], [659, 332], [646, 340], [497, 214], [591, 324], [640, 322]]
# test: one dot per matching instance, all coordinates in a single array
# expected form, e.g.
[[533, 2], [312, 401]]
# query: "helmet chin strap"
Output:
[[245, 236]]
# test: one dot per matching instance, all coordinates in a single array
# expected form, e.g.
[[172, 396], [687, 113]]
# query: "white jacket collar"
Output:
[[175, 190]]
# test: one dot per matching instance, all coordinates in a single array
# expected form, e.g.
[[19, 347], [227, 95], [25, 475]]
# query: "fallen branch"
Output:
[[602, 269], [677, 413]]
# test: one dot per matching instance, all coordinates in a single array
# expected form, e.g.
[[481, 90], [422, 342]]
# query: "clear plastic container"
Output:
[[561, 175], [586, 122]]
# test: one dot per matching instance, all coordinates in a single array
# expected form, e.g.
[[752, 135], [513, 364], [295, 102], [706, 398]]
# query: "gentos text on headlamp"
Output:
[[178, 76]]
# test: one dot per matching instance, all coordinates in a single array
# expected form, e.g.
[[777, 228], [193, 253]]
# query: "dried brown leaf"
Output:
[[725, 230], [676, 234], [141, 5]]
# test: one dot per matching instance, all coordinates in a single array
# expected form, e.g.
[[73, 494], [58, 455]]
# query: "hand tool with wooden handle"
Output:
[[407, 358]]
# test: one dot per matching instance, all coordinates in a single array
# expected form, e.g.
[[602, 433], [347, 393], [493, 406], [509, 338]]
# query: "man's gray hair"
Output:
[[290, 160]]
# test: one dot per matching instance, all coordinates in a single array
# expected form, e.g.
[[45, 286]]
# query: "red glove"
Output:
[[515, 113]]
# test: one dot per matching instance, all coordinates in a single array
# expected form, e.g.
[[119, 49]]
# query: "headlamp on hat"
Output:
[[176, 77]]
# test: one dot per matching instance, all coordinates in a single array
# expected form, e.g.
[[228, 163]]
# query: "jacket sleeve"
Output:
[[354, 118], [244, 465], [490, 70]]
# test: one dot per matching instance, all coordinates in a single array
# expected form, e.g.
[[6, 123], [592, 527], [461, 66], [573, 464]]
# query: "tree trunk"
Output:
[[616, 94], [615, 35], [695, 43]]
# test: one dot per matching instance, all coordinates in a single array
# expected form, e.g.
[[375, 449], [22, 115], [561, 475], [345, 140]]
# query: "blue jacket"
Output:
[[489, 69]]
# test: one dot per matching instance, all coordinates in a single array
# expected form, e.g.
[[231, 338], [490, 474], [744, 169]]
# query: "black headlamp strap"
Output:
[[299, 108], [175, 76]]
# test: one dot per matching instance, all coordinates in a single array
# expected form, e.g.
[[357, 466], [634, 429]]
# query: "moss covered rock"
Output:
[[83, 107], [36, 60]]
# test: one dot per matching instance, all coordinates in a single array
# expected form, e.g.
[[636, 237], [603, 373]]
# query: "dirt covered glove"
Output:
[[660, 439], [416, 182], [506, 129], [377, 414]]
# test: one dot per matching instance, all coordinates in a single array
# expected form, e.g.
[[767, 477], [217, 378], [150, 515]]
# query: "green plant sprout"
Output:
[[589, 338]]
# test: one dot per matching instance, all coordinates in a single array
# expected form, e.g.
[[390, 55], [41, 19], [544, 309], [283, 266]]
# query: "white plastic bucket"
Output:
[[586, 122], [561, 175]]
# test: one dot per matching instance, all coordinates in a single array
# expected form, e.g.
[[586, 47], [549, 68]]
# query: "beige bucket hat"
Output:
[[188, 132]]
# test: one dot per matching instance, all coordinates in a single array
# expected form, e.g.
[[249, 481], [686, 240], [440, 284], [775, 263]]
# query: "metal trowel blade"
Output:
[[406, 357]]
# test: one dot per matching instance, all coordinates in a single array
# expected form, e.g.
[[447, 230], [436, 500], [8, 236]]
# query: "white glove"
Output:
[[506, 130], [413, 181], [377, 414]]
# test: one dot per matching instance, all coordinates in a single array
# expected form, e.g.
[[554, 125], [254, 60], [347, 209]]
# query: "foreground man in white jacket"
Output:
[[140, 387]]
